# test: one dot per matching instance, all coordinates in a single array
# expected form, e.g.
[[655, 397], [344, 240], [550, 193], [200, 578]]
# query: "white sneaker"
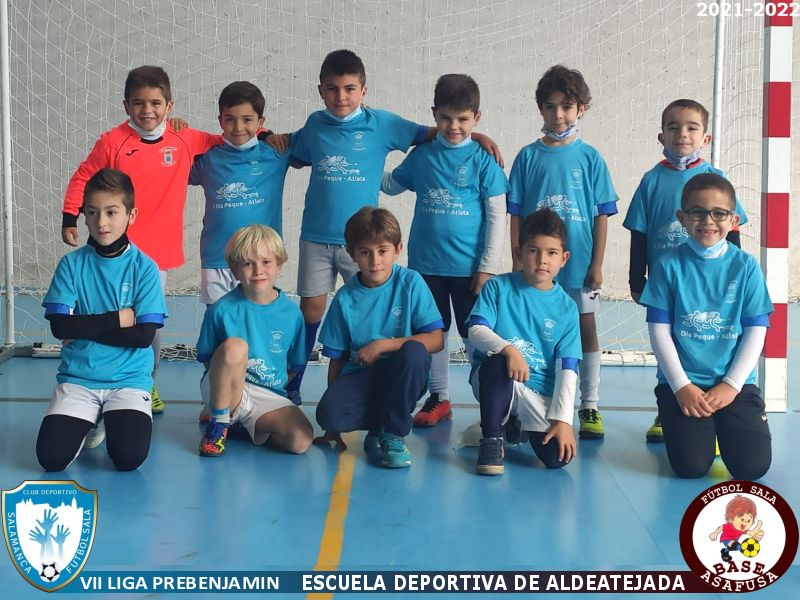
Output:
[[95, 436]]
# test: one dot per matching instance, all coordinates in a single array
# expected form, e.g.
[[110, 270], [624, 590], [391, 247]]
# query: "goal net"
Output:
[[69, 60]]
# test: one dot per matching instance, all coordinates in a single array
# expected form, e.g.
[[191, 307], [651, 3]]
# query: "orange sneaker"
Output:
[[434, 411]]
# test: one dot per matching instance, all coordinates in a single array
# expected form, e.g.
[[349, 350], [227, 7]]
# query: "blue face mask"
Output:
[[714, 251], [681, 163], [441, 139], [252, 142], [150, 136], [560, 137], [349, 117]]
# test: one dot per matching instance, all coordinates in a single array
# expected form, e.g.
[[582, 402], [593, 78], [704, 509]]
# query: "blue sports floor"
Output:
[[617, 506]]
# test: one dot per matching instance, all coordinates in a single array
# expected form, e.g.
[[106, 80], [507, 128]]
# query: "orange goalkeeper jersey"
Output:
[[159, 171]]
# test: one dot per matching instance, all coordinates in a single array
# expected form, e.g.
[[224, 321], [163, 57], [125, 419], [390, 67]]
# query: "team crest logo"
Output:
[[461, 176], [547, 330], [275, 345], [358, 141], [730, 295], [739, 536], [577, 178], [168, 156], [125, 294], [49, 529]]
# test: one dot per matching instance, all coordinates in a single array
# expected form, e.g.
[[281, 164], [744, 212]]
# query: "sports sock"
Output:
[[589, 372], [440, 371], [221, 415]]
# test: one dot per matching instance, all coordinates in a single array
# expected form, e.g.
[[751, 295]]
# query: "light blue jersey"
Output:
[[401, 306], [572, 180], [242, 187], [85, 283], [449, 227], [708, 302], [347, 160], [542, 325], [274, 332], [655, 202]]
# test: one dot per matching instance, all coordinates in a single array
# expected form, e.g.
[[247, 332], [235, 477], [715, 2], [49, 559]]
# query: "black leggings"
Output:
[[127, 439], [745, 443], [459, 291]]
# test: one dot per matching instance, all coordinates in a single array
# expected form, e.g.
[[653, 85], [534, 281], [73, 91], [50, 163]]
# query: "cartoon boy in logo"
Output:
[[739, 514]]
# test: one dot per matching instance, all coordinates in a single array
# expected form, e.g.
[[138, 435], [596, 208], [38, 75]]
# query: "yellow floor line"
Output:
[[330, 547]]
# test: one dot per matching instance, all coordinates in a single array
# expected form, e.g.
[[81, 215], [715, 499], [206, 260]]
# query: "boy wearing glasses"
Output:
[[651, 216], [707, 312]]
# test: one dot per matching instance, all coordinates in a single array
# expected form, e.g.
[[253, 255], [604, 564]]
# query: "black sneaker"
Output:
[[490, 456]]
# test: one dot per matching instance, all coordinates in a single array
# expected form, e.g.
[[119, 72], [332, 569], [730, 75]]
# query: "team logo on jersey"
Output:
[[532, 356], [462, 176], [707, 320], [260, 373], [125, 294], [237, 190], [730, 294], [168, 156], [547, 329], [738, 536], [399, 322], [49, 529], [441, 201], [577, 179], [276, 345], [338, 165], [672, 232], [359, 141]]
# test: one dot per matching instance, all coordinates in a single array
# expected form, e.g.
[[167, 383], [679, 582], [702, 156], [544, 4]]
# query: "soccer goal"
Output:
[[68, 61]]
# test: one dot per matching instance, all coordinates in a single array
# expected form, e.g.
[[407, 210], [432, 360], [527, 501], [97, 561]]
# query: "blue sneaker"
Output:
[[372, 442], [394, 453]]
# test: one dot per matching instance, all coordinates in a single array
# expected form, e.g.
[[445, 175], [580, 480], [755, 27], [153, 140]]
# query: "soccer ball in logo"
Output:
[[49, 572], [750, 548]]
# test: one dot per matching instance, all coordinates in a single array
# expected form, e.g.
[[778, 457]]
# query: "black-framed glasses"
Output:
[[700, 214]]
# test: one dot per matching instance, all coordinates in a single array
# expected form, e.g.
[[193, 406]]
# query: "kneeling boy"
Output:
[[526, 333], [379, 333], [105, 303], [252, 343]]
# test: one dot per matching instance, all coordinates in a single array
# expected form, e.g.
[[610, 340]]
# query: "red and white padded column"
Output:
[[775, 191]]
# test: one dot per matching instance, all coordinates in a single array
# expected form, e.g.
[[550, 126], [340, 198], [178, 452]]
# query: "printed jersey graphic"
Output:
[[338, 165]]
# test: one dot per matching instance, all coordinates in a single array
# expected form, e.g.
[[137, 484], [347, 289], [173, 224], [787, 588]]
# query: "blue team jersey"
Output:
[[275, 336], [400, 307], [449, 227], [242, 187], [655, 202], [572, 180], [85, 283], [542, 325], [708, 302], [347, 160]]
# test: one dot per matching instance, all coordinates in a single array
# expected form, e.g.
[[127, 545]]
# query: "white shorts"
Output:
[[215, 283], [528, 405], [319, 265], [256, 401], [77, 401], [588, 301]]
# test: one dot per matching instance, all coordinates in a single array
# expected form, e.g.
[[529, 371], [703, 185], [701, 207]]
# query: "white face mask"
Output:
[[560, 137], [681, 163], [714, 251], [150, 136], [440, 138], [246, 146], [349, 117]]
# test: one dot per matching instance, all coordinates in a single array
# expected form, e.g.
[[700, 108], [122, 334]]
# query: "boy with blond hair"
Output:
[[651, 218], [251, 342], [562, 172], [379, 333]]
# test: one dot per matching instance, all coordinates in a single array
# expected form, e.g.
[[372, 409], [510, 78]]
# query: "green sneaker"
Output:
[[591, 424], [156, 403], [655, 435], [394, 453]]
